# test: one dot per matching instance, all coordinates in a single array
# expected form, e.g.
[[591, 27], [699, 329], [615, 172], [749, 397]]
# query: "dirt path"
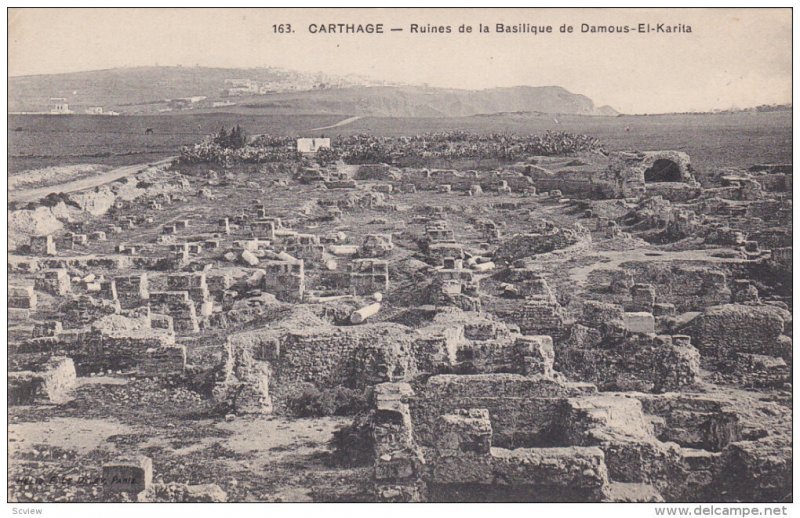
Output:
[[26, 195], [340, 123], [612, 260]]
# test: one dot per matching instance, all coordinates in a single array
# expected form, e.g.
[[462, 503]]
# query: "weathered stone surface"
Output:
[[127, 476], [50, 381]]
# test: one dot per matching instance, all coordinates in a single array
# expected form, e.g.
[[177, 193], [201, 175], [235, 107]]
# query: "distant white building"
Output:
[[60, 108], [312, 145], [99, 110]]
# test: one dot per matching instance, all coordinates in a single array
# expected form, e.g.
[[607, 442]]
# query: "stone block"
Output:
[[21, 297], [465, 430], [50, 382], [639, 322], [536, 353], [128, 476]]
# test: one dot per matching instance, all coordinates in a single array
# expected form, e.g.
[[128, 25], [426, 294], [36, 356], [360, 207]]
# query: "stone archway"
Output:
[[663, 170]]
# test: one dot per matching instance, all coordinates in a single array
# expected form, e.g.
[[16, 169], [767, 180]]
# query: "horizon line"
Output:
[[788, 103]]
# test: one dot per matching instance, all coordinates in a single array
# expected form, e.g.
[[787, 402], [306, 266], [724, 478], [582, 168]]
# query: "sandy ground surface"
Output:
[[47, 176], [611, 259], [253, 458], [80, 435]]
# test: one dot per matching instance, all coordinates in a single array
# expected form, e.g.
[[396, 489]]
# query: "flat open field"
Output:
[[740, 139], [38, 141]]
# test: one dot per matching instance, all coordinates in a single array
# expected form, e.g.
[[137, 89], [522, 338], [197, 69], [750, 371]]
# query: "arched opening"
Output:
[[663, 170]]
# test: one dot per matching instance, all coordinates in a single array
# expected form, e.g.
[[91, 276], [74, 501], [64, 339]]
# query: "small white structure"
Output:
[[94, 110], [60, 107], [312, 145]]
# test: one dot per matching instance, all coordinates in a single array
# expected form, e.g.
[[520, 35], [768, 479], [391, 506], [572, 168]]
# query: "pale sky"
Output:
[[732, 57]]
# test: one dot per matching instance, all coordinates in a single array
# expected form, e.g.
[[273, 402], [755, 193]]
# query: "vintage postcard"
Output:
[[400, 255]]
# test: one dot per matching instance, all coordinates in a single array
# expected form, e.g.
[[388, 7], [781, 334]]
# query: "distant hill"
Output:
[[156, 89]]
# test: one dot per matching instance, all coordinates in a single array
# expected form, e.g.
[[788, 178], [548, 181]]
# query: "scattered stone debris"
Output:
[[587, 328]]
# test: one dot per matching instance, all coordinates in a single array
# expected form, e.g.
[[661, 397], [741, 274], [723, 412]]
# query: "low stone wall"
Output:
[[48, 381], [522, 409], [640, 362], [723, 331], [687, 287], [327, 357], [526, 245], [570, 474]]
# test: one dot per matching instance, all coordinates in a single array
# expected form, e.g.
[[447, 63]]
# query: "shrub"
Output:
[[349, 401], [309, 401], [233, 147], [352, 445]]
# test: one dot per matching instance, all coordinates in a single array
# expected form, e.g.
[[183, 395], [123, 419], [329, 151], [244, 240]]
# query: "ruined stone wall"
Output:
[[540, 317], [146, 352], [725, 330], [365, 273], [285, 279], [674, 192], [440, 163], [355, 357], [81, 310], [775, 182], [132, 290], [688, 287], [773, 211], [179, 306], [192, 283], [693, 421], [579, 184], [643, 363], [771, 238], [463, 179], [43, 381], [326, 357], [525, 245], [781, 261], [757, 471], [466, 342], [129, 353], [246, 375], [522, 409], [574, 474]]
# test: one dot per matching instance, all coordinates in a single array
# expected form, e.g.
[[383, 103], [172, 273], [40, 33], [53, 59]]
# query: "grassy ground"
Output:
[[38, 141]]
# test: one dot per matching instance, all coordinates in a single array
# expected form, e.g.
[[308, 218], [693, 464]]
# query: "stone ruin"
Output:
[[534, 437], [579, 329]]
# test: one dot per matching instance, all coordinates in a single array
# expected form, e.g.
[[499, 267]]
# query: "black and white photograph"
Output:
[[399, 255]]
